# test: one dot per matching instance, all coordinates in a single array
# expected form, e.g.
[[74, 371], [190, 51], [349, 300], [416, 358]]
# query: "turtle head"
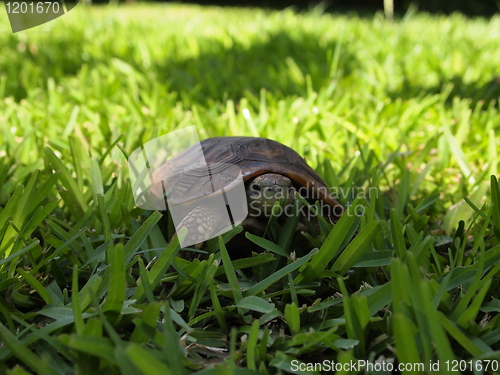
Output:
[[265, 190]]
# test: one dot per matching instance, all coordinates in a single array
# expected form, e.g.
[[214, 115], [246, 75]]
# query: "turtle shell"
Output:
[[253, 156]]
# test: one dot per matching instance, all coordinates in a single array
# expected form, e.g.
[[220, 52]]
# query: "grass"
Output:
[[402, 116]]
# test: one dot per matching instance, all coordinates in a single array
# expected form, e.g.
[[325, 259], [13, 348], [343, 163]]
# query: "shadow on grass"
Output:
[[283, 65], [476, 92]]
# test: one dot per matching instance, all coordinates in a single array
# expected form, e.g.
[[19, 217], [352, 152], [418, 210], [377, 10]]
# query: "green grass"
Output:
[[91, 284]]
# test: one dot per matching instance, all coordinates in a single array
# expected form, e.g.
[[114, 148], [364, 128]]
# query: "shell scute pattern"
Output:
[[253, 156], [265, 150]]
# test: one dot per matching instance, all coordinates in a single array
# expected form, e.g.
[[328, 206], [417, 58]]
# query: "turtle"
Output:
[[269, 170]]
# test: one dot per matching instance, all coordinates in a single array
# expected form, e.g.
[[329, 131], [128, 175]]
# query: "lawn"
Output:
[[401, 116]]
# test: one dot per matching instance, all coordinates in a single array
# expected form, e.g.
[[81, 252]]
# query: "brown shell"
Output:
[[253, 156]]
